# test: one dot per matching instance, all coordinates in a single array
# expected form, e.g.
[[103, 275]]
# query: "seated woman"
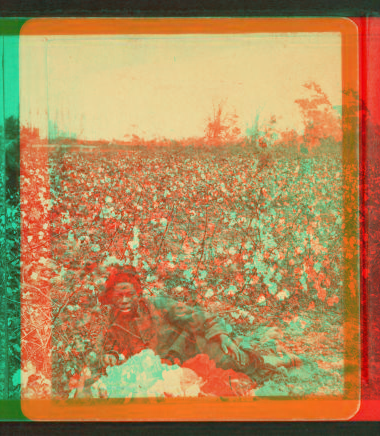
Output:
[[174, 331]]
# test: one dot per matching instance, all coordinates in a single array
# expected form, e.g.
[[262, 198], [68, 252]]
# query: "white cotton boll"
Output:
[[16, 378], [192, 391], [261, 299], [134, 243], [34, 276], [170, 385], [99, 390], [112, 260], [135, 377], [191, 383], [23, 376], [144, 375], [282, 295], [231, 290], [209, 293]]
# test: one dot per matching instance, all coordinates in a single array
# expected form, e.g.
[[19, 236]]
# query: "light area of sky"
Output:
[[166, 86]]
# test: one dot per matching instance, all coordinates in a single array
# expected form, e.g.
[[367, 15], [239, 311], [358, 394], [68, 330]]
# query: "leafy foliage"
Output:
[[222, 126], [320, 119]]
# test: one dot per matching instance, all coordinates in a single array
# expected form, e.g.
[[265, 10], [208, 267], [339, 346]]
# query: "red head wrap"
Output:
[[116, 277]]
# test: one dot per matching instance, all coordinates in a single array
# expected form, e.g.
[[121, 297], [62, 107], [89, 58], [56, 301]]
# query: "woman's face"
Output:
[[123, 296]]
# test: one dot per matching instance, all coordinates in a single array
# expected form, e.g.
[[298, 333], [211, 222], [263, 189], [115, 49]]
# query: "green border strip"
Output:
[[10, 410]]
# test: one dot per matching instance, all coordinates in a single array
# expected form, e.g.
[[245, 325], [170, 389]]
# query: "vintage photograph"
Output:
[[182, 215]]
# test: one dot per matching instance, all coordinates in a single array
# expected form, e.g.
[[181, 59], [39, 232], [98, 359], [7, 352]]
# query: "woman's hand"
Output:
[[91, 359], [81, 390], [109, 359], [229, 347]]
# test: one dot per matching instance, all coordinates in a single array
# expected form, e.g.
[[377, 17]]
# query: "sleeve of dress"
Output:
[[107, 340], [101, 343], [111, 344], [193, 319]]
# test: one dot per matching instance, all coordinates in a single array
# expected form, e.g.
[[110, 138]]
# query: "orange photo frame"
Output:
[[221, 409]]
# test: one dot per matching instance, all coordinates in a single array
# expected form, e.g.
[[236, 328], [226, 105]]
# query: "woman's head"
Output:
[[121, 288]]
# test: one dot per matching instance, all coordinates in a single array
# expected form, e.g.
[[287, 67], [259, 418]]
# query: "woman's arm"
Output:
[[230, 347], [195, 320], [199, 321]]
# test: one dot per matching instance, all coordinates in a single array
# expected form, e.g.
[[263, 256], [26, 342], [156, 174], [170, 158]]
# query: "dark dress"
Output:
[[172, 330]]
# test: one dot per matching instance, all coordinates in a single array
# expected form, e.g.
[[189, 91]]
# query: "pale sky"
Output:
[[165, 85]]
